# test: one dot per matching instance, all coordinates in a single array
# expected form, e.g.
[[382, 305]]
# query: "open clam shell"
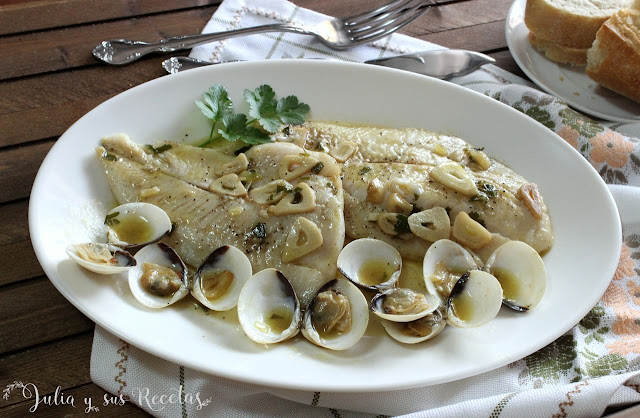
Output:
[[521, 273], [416, 331], [475, 300], [101, 258], [403, 305], [337, 317], [444, 263], [134, 225], [160, 277], [268, 308], [220, 278], [370, 264]]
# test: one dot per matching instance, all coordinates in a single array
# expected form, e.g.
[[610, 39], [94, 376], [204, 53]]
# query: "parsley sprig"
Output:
[[266, 114]]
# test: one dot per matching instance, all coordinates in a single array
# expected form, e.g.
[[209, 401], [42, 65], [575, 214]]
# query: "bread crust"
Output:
[[614, 59], [558, 53], [561, 27]]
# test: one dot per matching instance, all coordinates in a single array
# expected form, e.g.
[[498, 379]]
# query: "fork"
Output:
[[336, 33]]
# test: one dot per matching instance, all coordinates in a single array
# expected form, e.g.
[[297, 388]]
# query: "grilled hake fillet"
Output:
[[391, 174], [254, 201]]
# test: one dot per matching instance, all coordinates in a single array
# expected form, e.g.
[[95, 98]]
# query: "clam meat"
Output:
[[219, 279], [444, 263], [418, 330], [337, 317], [403, 305], [101, 258], [160, 277]]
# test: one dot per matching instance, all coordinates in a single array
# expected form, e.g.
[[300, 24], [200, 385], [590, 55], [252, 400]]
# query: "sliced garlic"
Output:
[[469, 232], [237, 165], [228, 184], [375, 191], [480, 158], [293, 166], [431, 224], [151, 191], [397, 204], [270, 193], [343, 151], [300, 200], [440, 150], [392, 224], [304, 237], [454, 176], [531, 198]]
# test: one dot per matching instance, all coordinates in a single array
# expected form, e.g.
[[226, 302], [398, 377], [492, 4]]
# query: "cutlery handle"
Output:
[[122, 51]]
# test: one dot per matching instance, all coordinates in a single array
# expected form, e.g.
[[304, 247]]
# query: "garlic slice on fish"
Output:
[[304, 237], [416, 331], [403, 305], [370, 263], [521, 273], [337, 317], [101, 258], [268, 308], [219, 279], [160, 277], [475, 300], [136, 224]]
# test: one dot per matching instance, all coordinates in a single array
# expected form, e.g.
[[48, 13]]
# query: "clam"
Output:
[[134, 225], [219, 279], [416, 331], [521, 273], [444, 263], [475, 300], [101, 258], [403, 305], [370, 263], [337, 317], [160, 277], [268, 309]]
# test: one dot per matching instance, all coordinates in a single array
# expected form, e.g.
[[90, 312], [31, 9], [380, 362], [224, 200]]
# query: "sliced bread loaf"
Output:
[[614, 59], [558, 53], [571, 23]]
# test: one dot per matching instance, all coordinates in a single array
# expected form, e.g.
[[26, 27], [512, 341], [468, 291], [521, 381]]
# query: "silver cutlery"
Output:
[[336, 33], [442, 64]]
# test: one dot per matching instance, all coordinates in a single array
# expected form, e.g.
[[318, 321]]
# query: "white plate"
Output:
[[570, 83], [580, 265]]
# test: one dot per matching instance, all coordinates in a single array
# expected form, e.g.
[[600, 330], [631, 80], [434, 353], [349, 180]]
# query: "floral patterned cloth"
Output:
[[589, 368]]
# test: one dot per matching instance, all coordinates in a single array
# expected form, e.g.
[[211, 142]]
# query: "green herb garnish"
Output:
[[476, 217], [109, 156], [110, 219], [264, 111], [485, 192], [333, 188], [259, 230], [364, 170], [297, 195], [402, 224], [317, 168], [160, 149]]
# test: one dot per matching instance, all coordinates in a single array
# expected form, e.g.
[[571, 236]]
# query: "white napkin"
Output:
[[591, 367]]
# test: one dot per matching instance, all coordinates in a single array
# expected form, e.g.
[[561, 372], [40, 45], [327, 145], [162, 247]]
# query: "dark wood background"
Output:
[[49, 79]]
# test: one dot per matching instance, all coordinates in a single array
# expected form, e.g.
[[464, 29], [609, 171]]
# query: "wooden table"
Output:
[[49, 79]]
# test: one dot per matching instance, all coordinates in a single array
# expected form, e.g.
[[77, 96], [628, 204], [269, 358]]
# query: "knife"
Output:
[[442, 64]]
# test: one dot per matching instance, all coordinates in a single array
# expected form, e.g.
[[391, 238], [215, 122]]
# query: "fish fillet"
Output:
[[181, 178]]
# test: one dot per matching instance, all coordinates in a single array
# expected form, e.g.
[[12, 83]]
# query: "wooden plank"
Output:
[[36, 15], [41, 52], [35, 108], [80, 395], [481, 38], [19, 261], [18, 168], [63, 363], [35, 312]]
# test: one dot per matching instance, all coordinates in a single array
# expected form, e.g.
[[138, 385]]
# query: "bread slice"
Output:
[[614, 59], [571, 23], [558, 53]]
